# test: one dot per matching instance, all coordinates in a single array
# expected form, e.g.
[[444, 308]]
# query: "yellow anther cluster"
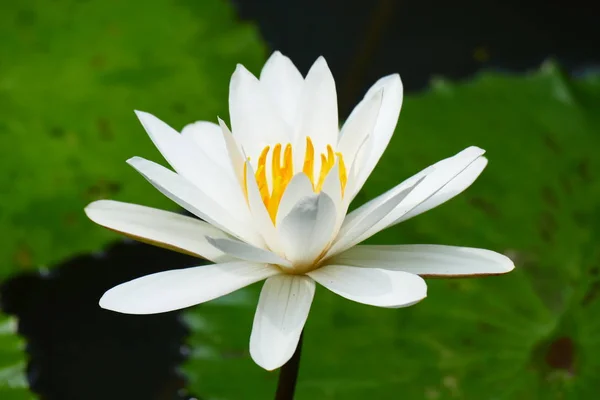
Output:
[[282, 171]]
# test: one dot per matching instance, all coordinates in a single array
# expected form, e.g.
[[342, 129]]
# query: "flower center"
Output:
[[282, 171]]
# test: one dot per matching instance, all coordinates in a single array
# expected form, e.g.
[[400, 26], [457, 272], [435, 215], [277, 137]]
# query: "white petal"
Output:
[[307, 229], [358, 126], [440, 176], [158, 227], [298, 188], [180, 288], [356, 224], [234, 153], [332, 187], [193, 163], [427, 259], [208, 136], [280, 317], [260, 215], [386, 123], [255, 121], [456, 186], [422, 186], [188, 196], [318, 111], [247, 252], [373, 286], [283, 82]]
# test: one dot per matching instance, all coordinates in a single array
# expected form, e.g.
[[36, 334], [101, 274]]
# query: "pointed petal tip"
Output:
[[134, 160], [240, 69], [275, 55], [144, 116]]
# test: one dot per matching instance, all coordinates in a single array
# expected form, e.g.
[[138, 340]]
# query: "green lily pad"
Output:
[[71, 74], [530, 334], [13, 384]]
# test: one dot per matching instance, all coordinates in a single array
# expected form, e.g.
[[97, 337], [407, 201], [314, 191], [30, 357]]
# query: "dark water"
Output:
[[81, 352]]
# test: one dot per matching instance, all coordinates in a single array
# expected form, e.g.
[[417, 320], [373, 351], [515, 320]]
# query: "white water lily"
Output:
[[274, 193]]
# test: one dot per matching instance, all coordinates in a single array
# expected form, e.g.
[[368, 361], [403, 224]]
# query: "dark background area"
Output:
[[79, 351]]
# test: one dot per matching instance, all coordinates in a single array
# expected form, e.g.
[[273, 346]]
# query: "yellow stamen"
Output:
[[276, 161], [261, 175], [279, 185], [288, 166], [324, 170], [282, 172], [309, 160], [330, 157]]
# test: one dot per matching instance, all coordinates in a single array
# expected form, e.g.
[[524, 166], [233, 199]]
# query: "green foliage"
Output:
[[13, 385], [71, 75], [531, 334]]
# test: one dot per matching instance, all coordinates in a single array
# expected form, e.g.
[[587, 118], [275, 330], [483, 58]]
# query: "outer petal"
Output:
[[373, 286], [247, 252], [386, 123], [283, 82], [255, 121], [356, 225], [427, 259], [307, 229], [360, 124], [423, 185], [280, 317], [193, 163], [208, 136], [453, 188], [318, 111], [158, 227], [180, 288], [194, 200]]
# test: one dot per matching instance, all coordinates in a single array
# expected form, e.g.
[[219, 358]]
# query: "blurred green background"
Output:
[[73, 71]]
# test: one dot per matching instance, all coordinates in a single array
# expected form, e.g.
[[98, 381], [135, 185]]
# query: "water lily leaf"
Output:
[[70, 77], [71, 74], [13, 384], [531, 334]]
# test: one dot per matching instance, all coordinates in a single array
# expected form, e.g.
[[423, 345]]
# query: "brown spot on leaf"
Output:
[[104, 129], [179, 108], [102, 189], [561, 354], [551, 143], [98, 61], [23, 257], [485, 206], [583, 170], [70, 219], [57, 132]]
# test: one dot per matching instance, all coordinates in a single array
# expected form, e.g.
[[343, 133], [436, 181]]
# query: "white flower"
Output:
[[274, 193]]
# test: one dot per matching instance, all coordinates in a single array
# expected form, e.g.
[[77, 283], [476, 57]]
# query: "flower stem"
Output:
[[289, 375]]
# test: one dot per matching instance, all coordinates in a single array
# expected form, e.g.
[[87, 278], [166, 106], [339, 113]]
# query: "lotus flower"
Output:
[[273, 196]]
